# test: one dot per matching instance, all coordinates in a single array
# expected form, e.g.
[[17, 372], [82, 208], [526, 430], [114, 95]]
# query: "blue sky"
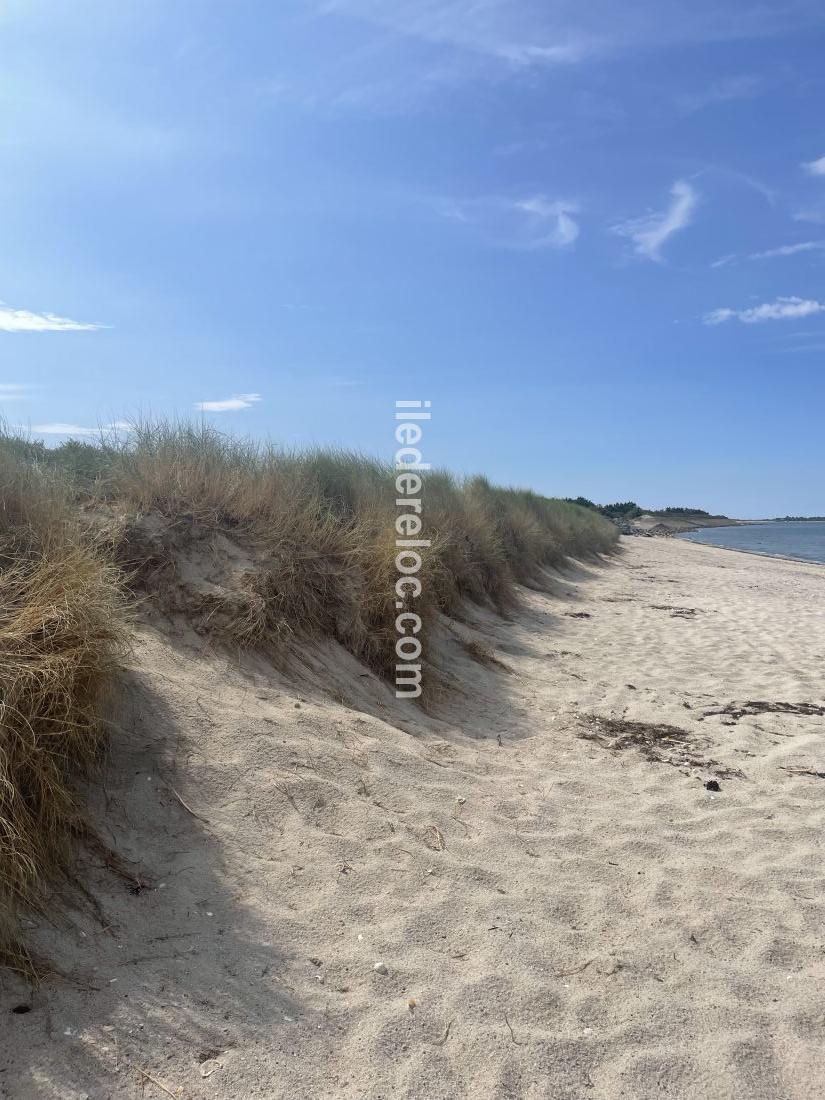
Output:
[[592, 234]]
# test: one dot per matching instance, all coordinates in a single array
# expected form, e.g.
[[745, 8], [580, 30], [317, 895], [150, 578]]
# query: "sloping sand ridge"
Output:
[[555, 903]]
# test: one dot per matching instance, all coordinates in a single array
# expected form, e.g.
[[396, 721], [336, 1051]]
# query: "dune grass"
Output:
[[60, 633], [323, 522], [319, 527]]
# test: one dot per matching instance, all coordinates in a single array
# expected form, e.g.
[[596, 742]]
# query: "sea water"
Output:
[[791, 539]]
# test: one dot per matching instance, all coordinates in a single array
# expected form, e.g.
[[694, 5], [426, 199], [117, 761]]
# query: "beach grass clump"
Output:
[[61, 631]]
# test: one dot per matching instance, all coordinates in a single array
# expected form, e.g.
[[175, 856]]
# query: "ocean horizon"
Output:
[[800, 539]]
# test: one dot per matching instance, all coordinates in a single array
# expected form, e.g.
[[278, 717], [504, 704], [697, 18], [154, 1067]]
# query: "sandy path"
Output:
[[556, 919]]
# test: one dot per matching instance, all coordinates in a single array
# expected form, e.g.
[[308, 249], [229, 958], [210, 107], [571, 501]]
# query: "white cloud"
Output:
[[815, 167], [59, 427], [552, 222], [23, 320], [782, 309], [529, 224], [229, 404], [651, 232], [788, 250]]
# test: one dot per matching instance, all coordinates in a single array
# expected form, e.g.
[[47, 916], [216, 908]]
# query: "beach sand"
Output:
[[555, 903]]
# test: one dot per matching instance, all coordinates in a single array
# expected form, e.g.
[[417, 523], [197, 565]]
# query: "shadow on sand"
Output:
[[168, 954]]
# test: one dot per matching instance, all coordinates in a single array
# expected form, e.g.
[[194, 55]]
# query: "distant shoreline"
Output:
[[649, 523], [751, 553]]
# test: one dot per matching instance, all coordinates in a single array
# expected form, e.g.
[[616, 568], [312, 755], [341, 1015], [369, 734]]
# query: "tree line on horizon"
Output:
[[629, 509]]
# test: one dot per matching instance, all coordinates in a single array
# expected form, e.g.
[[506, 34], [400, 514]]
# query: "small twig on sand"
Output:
[[512, 1033], [574, 970], [188, 808], [158, 1084], [285, 791], [440, 1042], [803, 771]]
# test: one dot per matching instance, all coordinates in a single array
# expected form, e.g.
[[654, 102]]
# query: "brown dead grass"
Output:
[[60, 633]]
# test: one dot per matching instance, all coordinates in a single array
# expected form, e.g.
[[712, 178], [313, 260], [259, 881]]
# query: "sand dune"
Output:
[[527, 893]]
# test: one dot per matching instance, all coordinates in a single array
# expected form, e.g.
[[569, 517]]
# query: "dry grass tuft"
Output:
[[60, 632]]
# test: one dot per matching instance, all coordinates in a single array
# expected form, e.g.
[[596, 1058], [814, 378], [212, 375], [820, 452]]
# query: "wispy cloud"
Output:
[[517, 35], [726, 260], [525, 54], [530, 224], [551, 222], [24, 320], [721, 173], [803, 348], [731, 88], [651, 232], [771, 253], [59, 427], [813, 214], [788, 250], [535, 32], [14, 391], [387, 57], [781, 309], [229, 404], [815, 167]]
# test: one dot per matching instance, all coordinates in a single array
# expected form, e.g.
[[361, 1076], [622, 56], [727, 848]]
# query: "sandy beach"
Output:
[[530, 892]]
